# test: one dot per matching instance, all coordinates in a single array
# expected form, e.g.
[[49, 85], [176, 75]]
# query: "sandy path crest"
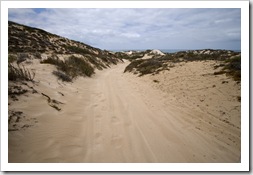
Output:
[[114, 117], [114, 130], [131, 123]]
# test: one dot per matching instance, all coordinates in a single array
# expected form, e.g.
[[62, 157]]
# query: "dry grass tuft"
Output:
[[19, 73]]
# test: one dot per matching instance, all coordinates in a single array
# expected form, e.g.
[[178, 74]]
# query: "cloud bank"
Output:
[[139, 28]]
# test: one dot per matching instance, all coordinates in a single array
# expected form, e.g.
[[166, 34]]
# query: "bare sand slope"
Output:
[[115, 117]]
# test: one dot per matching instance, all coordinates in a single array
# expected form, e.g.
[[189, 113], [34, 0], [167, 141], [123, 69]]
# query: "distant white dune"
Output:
[[129, 52], [157, 52]]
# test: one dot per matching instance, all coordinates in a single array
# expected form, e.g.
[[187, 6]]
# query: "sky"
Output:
[[134, 29]]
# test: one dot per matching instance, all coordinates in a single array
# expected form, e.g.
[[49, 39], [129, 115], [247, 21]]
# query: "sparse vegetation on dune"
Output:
[[78, 50], [149, 66], [32, 43], [232, 67], [78, 66], [133, 65], [136, 56], [200, 55], [144, 67], [230, 62], [130, 57]]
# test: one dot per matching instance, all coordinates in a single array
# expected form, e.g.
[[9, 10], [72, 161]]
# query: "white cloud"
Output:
[[130, 35], [138, 28]]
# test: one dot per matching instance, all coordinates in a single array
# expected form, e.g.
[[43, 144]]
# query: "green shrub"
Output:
[[94, 61], [133, 65], [235, 74], [51, 60], [71, 68], [148, 66], [78, 66], [234, 63], [79, 50], [122, 55], [134, 57], [232, 68]]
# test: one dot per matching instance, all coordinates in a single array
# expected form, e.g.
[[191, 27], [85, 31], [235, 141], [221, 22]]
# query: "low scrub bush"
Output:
[[234, 63], [232, 68], [78, 66], [122, 55], [166, 57], [71, 68], [149, 66], [79, 50], [146, 66], [51, 60], [133, 65], [134, 57], [95, 62], [236, 75]]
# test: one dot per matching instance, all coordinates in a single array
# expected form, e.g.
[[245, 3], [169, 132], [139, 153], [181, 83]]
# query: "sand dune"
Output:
[[117, 117]]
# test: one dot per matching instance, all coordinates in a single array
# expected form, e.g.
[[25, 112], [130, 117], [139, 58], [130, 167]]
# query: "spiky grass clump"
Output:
[[19, 73], [71, 68]]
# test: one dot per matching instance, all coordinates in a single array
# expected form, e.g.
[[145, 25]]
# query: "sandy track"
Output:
[[114, 118]]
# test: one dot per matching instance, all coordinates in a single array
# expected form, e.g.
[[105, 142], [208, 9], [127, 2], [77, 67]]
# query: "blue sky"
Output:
[[165, 28]]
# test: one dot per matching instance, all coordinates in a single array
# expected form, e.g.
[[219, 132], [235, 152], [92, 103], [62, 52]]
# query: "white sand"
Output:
[[157, 52], [116, 117]]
